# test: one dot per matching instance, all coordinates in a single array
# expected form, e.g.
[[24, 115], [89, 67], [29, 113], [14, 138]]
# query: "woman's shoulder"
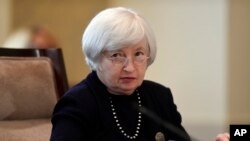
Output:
[[76, 109], [152, 85], [77, 89], [156, 91], [77, 97]]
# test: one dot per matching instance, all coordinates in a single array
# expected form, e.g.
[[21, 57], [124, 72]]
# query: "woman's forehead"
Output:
[[130, 48], [141, 45]]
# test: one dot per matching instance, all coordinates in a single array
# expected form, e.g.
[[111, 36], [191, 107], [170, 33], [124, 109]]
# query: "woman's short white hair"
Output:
[[115, 28]]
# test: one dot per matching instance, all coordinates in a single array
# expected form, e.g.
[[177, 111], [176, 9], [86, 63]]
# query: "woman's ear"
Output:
[[98, 66]]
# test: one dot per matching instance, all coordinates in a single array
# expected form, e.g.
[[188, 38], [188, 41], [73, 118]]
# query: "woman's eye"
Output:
[[139, 53], [115, 55]]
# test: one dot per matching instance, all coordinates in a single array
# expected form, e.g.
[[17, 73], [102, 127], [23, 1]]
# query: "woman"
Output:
[[119, 46]]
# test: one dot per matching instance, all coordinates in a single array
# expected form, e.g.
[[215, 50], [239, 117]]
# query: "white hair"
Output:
[[115, 28]]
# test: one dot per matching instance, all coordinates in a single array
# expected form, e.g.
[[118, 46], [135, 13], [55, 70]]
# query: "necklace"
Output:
[[138, 126]]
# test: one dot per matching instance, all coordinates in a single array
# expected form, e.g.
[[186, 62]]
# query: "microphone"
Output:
[[167, 125]]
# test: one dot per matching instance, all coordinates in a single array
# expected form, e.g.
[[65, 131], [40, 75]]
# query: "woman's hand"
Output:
[[223, 137]]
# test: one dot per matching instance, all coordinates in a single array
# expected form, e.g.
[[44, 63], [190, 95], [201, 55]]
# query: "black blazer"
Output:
[[84, 113]]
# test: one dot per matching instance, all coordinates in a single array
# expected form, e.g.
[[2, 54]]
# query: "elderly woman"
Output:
[[118, 45]]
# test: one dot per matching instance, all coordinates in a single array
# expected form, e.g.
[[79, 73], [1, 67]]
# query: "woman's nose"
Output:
[[129, 65]]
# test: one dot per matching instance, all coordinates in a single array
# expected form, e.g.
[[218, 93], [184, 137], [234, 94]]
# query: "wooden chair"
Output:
[[31, 81], [56, 56]]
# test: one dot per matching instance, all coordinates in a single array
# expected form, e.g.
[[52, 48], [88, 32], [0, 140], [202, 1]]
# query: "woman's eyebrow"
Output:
[[141, 48], [115, 51]]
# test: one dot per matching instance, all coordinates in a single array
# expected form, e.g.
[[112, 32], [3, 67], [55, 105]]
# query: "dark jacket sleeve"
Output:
[[173, 117], [70, 121], [166, 109]]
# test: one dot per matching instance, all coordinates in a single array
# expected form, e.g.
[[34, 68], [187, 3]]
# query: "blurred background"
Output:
[[203, 51]]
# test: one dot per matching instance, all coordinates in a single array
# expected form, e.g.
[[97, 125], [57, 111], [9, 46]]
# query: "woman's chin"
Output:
[[128, 91]]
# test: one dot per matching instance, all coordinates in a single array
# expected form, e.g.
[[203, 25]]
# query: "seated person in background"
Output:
[[31, 37], [119, 46]]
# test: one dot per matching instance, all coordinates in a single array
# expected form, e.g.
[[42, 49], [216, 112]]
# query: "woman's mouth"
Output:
[[127, 79]]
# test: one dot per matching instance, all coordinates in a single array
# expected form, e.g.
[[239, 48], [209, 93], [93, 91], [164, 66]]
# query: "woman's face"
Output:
[[123, 70]]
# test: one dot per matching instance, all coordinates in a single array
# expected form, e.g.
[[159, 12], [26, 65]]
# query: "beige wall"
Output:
[[5, 19], [67, 20], [239, 62]]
